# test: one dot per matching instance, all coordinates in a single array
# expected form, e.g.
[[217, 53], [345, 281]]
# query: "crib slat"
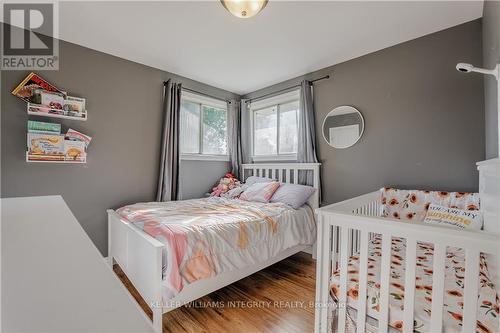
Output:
[[295, 176], [470, 290], [356, 241], [280, 175], [325, 276], [322, 285], [438, 287], [363, 271], [351, 242], [335, 248], [384, 283], [342, 302], [320, 268], [411, 253]]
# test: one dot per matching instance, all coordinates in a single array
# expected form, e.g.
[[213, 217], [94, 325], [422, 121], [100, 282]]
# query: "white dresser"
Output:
[[53, 277]]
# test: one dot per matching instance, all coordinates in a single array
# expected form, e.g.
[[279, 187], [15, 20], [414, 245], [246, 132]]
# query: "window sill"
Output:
[[203, 157], [287, 157]]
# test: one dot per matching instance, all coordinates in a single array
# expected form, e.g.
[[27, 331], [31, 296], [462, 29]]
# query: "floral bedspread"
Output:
[[488, 302], [206, 237]]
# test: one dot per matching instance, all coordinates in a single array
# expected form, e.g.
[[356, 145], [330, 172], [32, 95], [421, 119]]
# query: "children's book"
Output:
[[33, 81], [42, 127]]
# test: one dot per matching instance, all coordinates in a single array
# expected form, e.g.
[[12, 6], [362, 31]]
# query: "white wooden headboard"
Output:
[[286, 173]]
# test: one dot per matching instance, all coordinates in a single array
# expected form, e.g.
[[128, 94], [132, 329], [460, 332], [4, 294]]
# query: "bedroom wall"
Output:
[[124, 101], [491, 56], [424, 120]]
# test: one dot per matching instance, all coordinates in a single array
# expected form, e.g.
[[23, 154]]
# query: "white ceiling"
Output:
[[202, 41]]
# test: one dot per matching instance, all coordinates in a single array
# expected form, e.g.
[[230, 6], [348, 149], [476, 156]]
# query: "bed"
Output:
[[176, 252], [383, 274]]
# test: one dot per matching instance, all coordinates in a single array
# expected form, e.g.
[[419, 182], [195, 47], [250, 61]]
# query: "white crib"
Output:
[[346, 227]]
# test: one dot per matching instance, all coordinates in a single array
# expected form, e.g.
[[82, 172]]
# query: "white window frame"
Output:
[[211, 102], [276, 101]]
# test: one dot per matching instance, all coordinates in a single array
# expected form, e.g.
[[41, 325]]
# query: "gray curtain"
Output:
[[306, 150], [168, 180], [234, 129], [245, 132]]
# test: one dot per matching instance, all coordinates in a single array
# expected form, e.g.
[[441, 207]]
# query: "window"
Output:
[[203, 128], [275, 127]]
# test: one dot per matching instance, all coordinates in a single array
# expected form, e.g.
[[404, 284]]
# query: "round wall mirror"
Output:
[[343, 127]]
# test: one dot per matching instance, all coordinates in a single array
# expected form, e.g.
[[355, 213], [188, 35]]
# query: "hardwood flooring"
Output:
[[276, 299]]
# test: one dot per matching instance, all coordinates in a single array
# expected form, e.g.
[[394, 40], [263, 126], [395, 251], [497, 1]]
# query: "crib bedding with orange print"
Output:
[[210, 236], [488, 301]]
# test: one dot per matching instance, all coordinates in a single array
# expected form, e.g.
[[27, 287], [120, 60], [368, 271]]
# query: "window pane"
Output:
[[265, 132], [214, 131], [190, 127], [288, 127]]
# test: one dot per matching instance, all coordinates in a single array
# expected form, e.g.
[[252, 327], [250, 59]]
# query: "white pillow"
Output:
[[453, 217], [293, 195]]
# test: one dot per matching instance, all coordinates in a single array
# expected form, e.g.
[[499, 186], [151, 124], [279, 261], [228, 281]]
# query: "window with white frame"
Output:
[[203, 128], [275, 124]]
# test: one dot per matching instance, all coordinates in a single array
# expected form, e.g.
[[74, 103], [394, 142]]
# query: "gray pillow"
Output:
[[293, 194], [254, 180]]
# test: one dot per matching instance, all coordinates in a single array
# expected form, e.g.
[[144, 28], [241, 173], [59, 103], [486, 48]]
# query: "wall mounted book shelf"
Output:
[[52, 159], [45, 111], [45, 141]]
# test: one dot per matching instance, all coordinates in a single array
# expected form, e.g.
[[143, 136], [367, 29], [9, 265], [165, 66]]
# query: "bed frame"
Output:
[[346, 227], [140, 255]]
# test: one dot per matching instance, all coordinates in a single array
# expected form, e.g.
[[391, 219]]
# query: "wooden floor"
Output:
[[276, 299]]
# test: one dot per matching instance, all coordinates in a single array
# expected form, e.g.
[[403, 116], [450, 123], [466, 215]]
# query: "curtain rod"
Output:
[[326, 77], [201, 93]]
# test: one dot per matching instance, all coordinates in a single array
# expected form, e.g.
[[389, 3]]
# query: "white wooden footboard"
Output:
[[140, 257], [347, 226]]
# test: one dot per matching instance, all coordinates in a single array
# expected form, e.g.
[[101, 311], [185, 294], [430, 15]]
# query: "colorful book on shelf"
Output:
[[33, 81], [53, 100], [45, 144], [73, 135], [74, 104], [42, 127], [74, 150]]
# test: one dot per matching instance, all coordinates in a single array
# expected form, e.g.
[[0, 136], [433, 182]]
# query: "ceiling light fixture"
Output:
[[244, 8]]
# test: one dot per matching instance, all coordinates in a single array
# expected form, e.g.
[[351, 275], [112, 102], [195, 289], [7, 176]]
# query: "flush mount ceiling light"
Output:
[[244, 8]]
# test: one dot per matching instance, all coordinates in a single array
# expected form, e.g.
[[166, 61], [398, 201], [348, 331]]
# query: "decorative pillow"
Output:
[[254, 179], [234, 193], [413, 204], [293, 195], [453, 217], [260, 192], [226, 183]]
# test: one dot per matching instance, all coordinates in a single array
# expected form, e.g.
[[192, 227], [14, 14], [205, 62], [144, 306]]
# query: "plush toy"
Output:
[[226, 183]]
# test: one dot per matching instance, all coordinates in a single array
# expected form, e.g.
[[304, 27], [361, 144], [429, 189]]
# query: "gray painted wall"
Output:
[[424, 120], [124, 102], [491, 56], [198, 177]]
